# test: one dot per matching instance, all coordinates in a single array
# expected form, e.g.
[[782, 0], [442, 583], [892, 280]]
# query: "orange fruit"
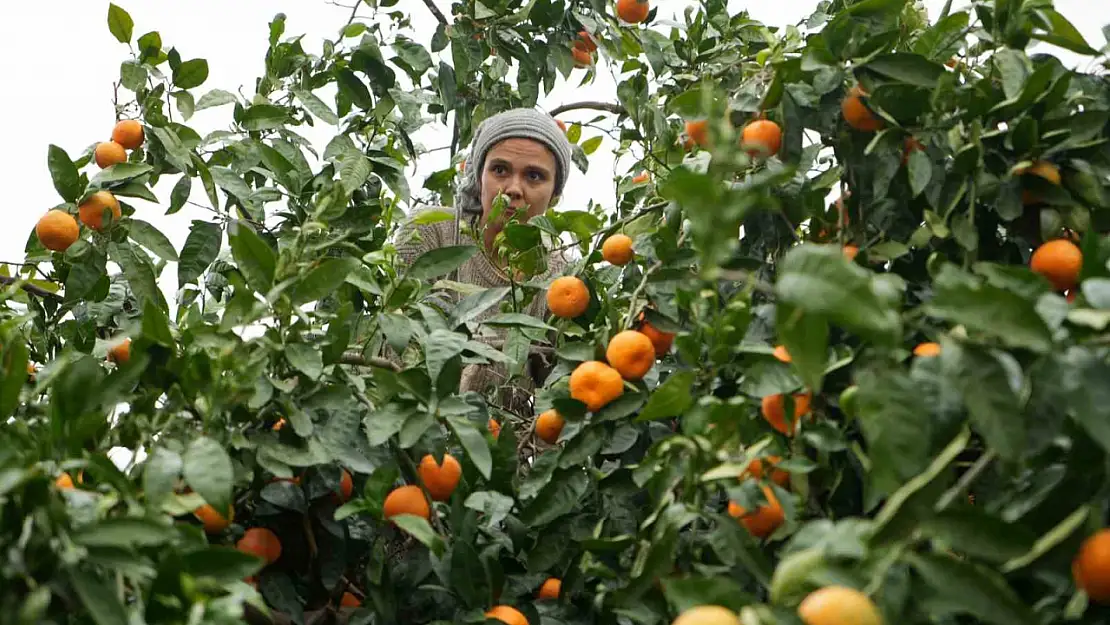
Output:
[[595, 384], [617, 249], [1059, 261], [121, 353], [641, 177], [633, 11], [64, 481], [587, 40], [213, 521], [440, 479], [109, 153], [631, 353], [927, 350], [661, 340], [1044, 169], [507, 614], [582, 58], [549, 425], [568, 297], [856, 112], [92, 210], [550, 589], [766, 518], [838, 605], [346, 487], [707, 615], [781, 353], [406, 500], [1091, 567], [57, 230], [278, 425], [494, 428], [774, 411], [128, 133], [778, 476], [261, 542], [762, 137], [850, 251], [698, 131], [349, 601]]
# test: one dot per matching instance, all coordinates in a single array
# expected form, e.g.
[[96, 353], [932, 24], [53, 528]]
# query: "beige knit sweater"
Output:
[[491, 381]]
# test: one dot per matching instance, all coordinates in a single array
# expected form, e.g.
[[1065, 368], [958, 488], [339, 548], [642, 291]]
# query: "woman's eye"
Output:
[[535, 176], [499, 169]]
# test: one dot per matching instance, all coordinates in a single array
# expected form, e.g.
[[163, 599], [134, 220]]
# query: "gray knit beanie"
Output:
[[521, 123]]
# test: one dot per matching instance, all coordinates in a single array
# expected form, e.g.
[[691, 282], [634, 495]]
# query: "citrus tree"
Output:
[[757, 405]]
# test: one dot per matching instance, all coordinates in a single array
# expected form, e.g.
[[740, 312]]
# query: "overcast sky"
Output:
[[60, 62]]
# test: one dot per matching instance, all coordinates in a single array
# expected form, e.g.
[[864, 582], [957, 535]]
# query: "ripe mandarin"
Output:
[[707, 615], [550, 588], [507, 614], [549, 425], [633, 11], [838, 605], [406, 500], [1091, 567], [595, 384], [101, 207], [761, 138], [128, 133], [261, 542], [856, 112], [109, 153], [57, 230], [631, 353], [440, 480], [773, 408], [765, 520], [568, 297], [1060, 261], [617, 249]]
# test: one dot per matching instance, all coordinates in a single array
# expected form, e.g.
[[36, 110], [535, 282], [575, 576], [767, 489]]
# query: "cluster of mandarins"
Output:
[[57, 229]]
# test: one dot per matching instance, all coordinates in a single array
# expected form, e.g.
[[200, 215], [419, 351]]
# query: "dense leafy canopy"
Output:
[[300, 359]]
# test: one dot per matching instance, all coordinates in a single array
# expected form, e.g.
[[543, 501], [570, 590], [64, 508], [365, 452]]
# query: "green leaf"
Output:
[[895, 424], [516, 320], [138, 271], [200, 249], [124, 532], [208, 471], [305, 358], [910, 69], [921, 171], [493, 504], [589, 146], [557, 498], [67, 180], [973, 531], [215, 97], [254, 256], [473, 443], [180, 194], [671, 399], [132, 75], [323, 280], [160, 472], [285, 495], [354, 170], [1061, 32], [961, 587], [316, 106], [473, 305], [151, 238], [232, 183], [190, 74], [354, 89], [223, 565], [993, 404], [99, 598], [696, 590], [440, 261], [14, 359], [820, 280], [120, 24], [439, 347], [806, 338], [419, 528], [156, 325], [119, 173], [1089, 395], [982, 307]]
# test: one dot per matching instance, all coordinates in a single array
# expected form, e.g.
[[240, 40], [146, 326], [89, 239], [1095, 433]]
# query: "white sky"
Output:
[[61, 61]]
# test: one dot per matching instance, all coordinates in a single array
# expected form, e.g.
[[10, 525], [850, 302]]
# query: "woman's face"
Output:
[[522, 169]]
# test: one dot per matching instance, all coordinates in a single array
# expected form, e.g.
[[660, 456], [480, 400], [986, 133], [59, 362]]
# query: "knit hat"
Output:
[[520, 123]]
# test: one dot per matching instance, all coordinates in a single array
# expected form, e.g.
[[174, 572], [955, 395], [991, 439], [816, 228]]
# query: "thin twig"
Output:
[[436, 12], [608, 107], [30, 288], [357, 359], [966, 479]]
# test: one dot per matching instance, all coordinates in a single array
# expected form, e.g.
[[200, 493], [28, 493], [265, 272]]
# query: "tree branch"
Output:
[[608, 107], [436, 12], [355, 358], [30, 288]]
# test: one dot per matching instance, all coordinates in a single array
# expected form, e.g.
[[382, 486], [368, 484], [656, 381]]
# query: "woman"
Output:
[[523, 154]]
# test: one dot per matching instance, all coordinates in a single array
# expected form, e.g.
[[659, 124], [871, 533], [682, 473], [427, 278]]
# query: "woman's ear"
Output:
[[554, 200]]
